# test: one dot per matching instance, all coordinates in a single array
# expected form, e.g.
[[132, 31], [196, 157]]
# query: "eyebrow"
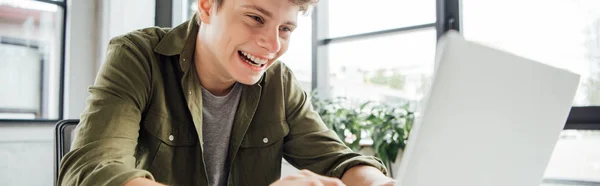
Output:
[[267, 13], [291, 23], [260, 9]]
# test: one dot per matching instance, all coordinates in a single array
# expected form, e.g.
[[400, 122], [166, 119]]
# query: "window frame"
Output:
[[61, 89], [584, 118]]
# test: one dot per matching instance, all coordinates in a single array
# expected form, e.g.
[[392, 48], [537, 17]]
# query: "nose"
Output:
[[270, 41]]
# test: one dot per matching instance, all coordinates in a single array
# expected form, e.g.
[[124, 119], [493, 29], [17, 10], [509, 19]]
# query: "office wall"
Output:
[[26, 154], [26, 149]]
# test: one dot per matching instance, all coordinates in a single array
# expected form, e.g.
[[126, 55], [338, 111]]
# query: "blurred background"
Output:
[[379, 50]]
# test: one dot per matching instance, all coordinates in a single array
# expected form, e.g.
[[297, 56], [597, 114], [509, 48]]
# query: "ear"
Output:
[[204, 10]]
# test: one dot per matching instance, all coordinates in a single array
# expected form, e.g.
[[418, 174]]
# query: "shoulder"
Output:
[[281, 76], [142, 39], [279, 72]]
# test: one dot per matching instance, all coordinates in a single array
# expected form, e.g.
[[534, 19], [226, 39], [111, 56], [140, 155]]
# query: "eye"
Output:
[[286, 29], [257, 18]]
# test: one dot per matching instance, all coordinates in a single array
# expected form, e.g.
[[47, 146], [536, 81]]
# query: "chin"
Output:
[[249, 80]]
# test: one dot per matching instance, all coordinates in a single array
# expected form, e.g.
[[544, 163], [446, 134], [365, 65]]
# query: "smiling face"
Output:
[[243, 38]]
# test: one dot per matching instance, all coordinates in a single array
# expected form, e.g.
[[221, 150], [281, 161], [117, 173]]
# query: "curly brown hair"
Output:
[[304, 4]]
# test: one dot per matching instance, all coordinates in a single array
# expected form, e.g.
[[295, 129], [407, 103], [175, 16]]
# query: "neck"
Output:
[[212, 76]]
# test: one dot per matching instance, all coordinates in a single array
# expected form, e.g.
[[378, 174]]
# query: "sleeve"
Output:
[[310, 144], [106, 138]]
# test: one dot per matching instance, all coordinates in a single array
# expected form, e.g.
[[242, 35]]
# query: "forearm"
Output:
[[365, 175]]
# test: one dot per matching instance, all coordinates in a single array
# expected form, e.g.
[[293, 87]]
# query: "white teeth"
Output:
[[254, 58], [253, 64]]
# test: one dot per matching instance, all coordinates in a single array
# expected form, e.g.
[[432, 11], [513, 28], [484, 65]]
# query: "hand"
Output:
[[306, 177]]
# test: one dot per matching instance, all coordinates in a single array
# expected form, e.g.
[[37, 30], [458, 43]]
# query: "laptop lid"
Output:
[[490, 118]]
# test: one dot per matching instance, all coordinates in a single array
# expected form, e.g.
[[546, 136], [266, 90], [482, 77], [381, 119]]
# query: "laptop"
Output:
[[490, 118]]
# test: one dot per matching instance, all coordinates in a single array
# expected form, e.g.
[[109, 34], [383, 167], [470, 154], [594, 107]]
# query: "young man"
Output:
[[206, 103]]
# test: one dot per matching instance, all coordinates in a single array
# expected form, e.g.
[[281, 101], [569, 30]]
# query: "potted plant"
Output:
[[388, 126], [346, 121], [390, 129]]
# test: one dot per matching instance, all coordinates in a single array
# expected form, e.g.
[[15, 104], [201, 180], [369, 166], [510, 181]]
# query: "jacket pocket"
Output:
[[169, 131], [174, 161], [259, 158], [265, 134]]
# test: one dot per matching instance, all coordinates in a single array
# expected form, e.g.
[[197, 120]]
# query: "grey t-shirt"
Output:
[[218, 113]]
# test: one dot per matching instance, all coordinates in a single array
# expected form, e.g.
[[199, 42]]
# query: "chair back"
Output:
[[63, 136]]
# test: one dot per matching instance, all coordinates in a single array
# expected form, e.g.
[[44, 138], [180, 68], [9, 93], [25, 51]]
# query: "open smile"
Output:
[[255, 63]]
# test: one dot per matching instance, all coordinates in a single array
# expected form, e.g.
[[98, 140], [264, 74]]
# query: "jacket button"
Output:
[[183, 59], [265, 140], [171, 137]]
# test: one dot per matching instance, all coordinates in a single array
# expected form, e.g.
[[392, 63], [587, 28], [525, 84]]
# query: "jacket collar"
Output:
[[179, 38]]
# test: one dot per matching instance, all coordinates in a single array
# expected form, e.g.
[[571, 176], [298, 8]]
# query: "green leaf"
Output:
[[388, 126], [392, 152]]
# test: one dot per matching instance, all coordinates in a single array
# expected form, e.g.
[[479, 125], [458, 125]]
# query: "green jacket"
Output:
[[144, 119]]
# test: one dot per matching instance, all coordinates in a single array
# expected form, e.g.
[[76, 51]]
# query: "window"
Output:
[[31, 49], [563, 33], [379, 51], [560, 33], [389, 68], [351, 17]]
